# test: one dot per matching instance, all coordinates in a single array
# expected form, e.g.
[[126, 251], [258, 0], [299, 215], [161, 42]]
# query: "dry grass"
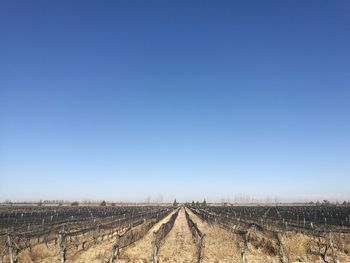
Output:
[[178, 245], [141, 250], [39, 253], [220, 244], [296, 246], [98, 253]]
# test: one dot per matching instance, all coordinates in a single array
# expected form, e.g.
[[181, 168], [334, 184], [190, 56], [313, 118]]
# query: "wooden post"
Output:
[[154, 248], [245, 246], [115, 253], [97, 234], [201, 249], [9, 244], [62, 247], [281, 252]]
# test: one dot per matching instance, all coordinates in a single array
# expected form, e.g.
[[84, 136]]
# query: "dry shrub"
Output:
[[266, 245], [38, 253], [296, 244], [341, 242], [270, 247]]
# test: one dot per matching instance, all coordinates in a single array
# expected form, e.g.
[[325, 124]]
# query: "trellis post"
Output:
[[62, 247]]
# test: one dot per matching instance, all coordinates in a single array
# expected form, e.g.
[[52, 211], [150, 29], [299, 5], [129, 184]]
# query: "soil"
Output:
[[221, 245]]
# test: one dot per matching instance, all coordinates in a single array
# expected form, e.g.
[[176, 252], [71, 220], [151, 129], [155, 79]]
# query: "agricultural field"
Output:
[[185, 233]]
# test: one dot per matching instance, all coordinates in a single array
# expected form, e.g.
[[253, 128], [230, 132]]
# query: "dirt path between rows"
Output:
[[219, 245], [178, 245], [96, 254], [141, 250]]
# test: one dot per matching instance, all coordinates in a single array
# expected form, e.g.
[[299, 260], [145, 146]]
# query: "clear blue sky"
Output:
[[190, 99]]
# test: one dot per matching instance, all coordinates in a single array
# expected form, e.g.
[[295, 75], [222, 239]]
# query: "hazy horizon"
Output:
[[189, 100], [245, 199]]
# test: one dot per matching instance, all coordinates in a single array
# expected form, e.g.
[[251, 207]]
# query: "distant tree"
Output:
[[75, 203], [192, 204], [326, 202], [197, 204], [175, 203], [204, 203], [103, 203]]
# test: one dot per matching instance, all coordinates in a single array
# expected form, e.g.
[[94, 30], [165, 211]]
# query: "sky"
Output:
[[125, 100]]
